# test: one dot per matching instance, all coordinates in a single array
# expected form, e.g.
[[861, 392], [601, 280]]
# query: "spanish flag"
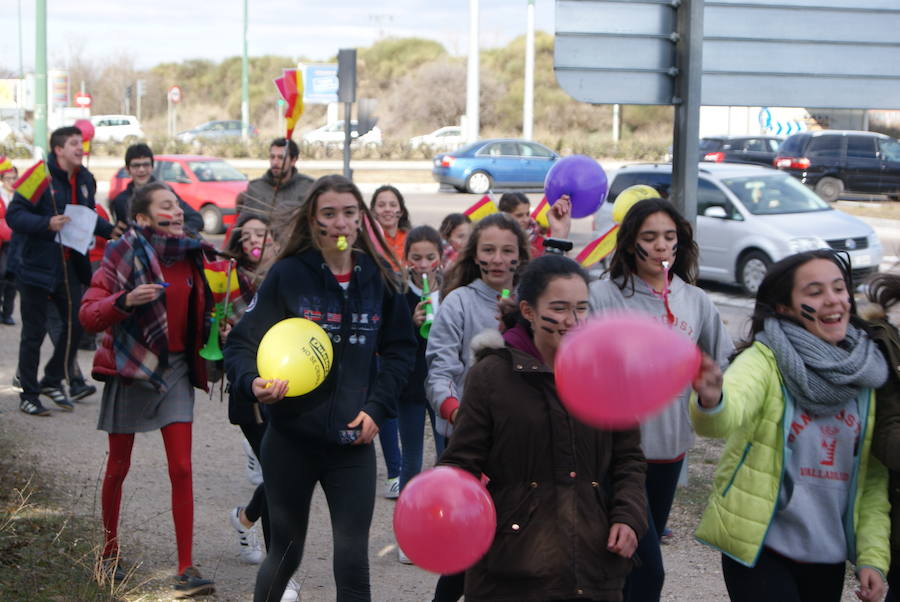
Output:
[[290, 86], [540, 214], [33, 182], [481, 209], [598, 248], [5, 164], [220, 283]]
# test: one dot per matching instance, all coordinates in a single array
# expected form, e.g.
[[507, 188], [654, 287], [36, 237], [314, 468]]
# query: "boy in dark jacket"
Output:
[[47, 272]]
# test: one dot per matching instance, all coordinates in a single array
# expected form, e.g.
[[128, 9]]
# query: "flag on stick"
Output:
[[220, 283], [5, 164], [290, 86], [481, 209], [598, 248], [33, 182]]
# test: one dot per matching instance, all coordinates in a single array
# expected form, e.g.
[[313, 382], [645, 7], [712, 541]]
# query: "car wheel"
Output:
[[751, 271], [478, 182], [829, 189], [212, 219]]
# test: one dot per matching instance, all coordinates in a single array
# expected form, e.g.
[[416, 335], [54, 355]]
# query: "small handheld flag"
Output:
[[481, 209], [33, 182], [5, 164], [290, 86], [598, 248], [220, 281], [540, 214]]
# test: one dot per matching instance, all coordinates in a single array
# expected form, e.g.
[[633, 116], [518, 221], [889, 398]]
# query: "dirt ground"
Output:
[[70, 447]]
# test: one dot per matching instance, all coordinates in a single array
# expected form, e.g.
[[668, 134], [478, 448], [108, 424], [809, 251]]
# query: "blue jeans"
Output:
[[390, 447], [411, 420], [645, 582]]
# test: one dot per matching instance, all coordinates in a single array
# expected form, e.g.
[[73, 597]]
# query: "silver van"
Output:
[[749, 217]]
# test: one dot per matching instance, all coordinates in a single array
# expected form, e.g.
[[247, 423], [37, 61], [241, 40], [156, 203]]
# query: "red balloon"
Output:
[[622, 368], [87, 129], [445, 520]]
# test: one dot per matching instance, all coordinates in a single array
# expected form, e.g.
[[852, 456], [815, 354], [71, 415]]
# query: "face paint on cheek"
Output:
[[807, 312], [549, 319], [549, 330], [641, 252], [323, 228], [514, 263], [483, 265]]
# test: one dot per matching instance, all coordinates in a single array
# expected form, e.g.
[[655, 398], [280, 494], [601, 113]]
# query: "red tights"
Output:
[[177, 440]]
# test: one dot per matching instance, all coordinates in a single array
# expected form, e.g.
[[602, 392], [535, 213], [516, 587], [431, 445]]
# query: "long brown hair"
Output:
[[466, 269], [301, 236], [624, 263]]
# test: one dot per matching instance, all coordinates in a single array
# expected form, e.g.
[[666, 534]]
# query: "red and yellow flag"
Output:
[[481, 209], [598, 248], [290, 86], [33, 182], [220, 283], [540, 214], [5, 164]]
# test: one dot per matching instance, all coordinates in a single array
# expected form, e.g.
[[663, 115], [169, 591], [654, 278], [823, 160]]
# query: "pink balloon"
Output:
[[87, 129], [445, 520], [622, 368]]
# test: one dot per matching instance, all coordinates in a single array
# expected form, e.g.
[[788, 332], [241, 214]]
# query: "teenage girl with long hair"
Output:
[[151, 299], [798, 491], [653, 272], [455, 231], [327, 272]]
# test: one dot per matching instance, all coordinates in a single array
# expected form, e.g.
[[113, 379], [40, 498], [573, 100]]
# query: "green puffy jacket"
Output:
[[753, 417]]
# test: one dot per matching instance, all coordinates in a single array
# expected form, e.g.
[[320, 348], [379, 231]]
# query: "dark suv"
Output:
[[832, 162], [739, 149]]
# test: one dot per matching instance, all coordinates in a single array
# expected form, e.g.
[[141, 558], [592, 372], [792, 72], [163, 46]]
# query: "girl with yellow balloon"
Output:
[[306, 349]]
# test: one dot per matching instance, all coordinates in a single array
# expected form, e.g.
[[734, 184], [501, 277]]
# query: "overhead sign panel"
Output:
[[320, 83], [809, 53]]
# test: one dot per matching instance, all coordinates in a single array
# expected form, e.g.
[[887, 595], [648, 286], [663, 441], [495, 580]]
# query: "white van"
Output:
[[117, 128]]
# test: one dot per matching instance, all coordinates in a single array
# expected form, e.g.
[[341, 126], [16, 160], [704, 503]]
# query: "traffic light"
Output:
[[347, 75]]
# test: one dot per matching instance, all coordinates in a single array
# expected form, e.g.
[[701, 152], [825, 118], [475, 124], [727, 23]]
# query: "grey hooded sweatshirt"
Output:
[[668, 435], [464, 313]]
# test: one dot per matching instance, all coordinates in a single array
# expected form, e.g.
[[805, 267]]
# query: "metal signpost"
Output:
[[806, 53]]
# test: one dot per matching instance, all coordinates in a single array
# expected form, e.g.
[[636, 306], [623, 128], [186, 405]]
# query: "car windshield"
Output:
[[770, 194], [215, 171]]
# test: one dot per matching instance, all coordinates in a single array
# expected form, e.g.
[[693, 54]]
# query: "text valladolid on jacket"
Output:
[[557, 484]]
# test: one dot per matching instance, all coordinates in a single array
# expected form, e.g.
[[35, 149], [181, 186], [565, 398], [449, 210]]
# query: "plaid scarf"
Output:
[[141, 341]]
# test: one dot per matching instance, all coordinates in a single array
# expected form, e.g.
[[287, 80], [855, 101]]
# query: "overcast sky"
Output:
[[155, 31]]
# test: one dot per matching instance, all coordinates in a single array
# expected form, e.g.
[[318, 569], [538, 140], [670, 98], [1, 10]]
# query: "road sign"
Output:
[[175, 94], [320, 83], [803, 53], [141, 88], [83, 100]]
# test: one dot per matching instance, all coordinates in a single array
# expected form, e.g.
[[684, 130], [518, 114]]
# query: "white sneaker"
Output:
[[291, 592], [248, 541], [254, 471], [392, 488], [404, 559]]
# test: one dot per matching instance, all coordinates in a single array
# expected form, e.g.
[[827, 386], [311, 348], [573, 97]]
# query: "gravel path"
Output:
[[70, 447]]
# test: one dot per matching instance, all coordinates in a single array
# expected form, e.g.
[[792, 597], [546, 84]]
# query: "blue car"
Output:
[[494, 165]]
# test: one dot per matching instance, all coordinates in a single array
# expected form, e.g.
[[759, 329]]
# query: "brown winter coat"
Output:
[[557, 484], [886, 440]]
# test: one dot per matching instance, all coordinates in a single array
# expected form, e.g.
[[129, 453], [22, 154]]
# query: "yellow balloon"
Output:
[[629, 197], [298, 351]]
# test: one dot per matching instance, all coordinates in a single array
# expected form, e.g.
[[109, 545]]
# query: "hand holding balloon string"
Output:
[[708, 382]]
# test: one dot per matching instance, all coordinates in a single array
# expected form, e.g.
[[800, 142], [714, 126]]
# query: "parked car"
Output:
[[332, 135], [739, 149], [117, 128], [207, 184], [215, 131], [832, 162], [445, 138], [749, 217], [494, 164]]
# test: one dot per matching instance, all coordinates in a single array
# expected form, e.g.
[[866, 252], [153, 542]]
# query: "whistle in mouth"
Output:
[[342, 243]]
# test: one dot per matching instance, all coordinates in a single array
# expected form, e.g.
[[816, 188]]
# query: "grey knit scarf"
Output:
[[822, 377]]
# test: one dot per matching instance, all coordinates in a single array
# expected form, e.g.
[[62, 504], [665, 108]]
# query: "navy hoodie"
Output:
[[366, 319]]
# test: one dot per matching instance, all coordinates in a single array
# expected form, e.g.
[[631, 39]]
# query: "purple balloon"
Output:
[[582, 179]]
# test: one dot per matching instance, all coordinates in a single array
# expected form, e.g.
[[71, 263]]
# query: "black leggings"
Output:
[[776, 577], [291, 470], [257, 509]]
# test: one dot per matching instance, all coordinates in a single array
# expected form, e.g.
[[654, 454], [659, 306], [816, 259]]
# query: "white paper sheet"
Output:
[[78, 234]]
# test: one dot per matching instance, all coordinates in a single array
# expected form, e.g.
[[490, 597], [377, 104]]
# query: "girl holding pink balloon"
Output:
[[798, 492], [327, 272], [569, 498], [653, 271]]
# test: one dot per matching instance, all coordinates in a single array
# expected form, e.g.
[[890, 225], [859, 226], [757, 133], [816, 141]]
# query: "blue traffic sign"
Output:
[[320, 84]]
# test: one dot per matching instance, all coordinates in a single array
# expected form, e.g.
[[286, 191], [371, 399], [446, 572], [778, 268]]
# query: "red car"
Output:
[[208, 184]]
